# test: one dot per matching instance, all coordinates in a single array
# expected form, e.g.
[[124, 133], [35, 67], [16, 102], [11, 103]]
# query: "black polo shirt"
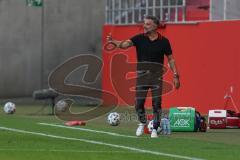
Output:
[[151, 51]]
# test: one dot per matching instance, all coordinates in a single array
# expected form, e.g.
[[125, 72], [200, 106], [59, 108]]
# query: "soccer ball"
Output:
[[9, 108], [150, 127], [113, 119], [61, 106]]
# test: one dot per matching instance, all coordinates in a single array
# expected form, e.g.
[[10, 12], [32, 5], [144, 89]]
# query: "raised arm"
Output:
[[120, 44]]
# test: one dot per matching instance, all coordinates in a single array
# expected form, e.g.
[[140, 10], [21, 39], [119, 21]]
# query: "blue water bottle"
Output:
[[168, 126], [164, 126]]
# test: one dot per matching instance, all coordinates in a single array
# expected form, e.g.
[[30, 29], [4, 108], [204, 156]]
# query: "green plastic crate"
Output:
[[182, 118]]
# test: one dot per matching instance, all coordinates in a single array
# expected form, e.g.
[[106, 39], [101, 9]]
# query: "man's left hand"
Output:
[[176, 82]]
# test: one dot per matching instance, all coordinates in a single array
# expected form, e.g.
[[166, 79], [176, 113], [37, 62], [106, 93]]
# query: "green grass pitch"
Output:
[[22, 137]]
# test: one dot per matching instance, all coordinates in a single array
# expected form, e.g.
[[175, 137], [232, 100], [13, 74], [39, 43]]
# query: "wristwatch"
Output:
[[175, 75]]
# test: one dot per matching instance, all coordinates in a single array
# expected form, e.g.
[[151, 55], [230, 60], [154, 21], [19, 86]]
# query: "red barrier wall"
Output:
[[207, 56]]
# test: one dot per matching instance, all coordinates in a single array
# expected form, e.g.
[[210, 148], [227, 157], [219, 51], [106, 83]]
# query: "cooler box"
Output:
[[182, 119], [232, 122], [217, 119]]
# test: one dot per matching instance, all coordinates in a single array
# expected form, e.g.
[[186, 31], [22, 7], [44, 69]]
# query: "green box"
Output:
[[182, 119], [34, 3]]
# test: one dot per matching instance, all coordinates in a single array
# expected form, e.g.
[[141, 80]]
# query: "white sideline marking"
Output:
[[100, 143], [88, 130], [60, 150]]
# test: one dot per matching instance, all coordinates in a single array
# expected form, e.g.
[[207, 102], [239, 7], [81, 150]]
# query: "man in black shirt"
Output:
[[151, 47]]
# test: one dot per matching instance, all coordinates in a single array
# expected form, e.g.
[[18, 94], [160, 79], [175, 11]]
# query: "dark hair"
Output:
[[153, 18]]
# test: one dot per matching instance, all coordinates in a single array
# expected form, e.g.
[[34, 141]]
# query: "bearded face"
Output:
[[149, 26]]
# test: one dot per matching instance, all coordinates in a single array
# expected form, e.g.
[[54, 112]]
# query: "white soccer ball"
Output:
[[113, 119], [61, 106], [150, 127], [9, 108]]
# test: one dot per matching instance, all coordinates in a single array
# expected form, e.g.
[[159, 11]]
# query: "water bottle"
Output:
[[168, 126], [164, 126]]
